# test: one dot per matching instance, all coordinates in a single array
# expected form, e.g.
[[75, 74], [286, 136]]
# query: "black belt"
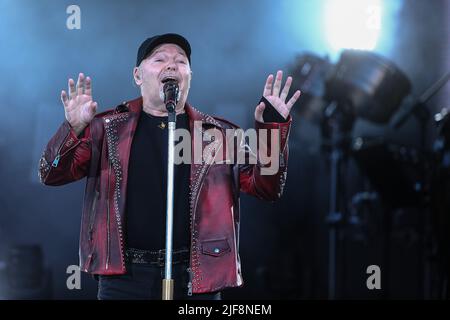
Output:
[[157, 258]]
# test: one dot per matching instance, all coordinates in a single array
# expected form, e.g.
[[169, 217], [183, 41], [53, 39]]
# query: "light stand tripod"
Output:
[[364, 85], [418, 108], [336, 128]]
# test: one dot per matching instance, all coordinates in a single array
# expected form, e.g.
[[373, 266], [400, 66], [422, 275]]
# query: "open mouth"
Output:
[[167, 79]]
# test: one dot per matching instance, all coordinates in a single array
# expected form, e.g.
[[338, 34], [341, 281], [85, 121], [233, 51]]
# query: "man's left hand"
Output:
[[277, 99]]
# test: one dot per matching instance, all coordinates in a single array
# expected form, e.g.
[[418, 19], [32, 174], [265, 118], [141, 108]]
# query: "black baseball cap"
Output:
[[149, 44]]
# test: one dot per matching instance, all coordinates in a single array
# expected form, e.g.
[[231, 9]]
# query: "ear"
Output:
[[137, 76]]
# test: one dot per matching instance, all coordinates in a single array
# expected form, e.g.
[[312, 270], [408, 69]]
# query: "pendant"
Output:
[[162, 125]]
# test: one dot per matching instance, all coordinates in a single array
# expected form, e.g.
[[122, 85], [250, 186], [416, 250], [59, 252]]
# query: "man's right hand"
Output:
[[78, 106]]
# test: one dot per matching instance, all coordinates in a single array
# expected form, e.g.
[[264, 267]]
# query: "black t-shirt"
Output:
[[145, 215]]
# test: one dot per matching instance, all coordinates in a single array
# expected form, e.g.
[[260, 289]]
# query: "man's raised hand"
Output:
[[79, 107], [276, 98]]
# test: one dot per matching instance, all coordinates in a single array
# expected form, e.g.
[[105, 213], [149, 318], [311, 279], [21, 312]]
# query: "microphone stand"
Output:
[[167, 282]]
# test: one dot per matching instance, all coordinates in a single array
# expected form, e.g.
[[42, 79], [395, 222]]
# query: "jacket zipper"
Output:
[[92, 216], [59, 155], [108, 244], [56, 161]]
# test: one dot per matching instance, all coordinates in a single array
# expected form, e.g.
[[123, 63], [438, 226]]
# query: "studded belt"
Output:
[[156, 258]]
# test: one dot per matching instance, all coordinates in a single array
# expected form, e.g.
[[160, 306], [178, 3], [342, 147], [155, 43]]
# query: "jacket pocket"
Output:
[[216, 247]]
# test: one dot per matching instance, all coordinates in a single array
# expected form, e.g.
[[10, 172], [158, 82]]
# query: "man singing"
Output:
[[123, 154]]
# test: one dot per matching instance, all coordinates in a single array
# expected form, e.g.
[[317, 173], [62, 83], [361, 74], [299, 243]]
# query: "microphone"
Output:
[[171, 95]]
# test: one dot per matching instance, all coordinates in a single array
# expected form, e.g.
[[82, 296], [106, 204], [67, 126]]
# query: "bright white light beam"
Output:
[[352, 24]]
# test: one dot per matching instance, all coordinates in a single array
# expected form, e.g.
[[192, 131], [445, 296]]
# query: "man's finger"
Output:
[[88, 87], [72, 90], [286, 88], [268, 86], [277, 84], [259, 112], [293, 99], [64, 98], [80, 84]]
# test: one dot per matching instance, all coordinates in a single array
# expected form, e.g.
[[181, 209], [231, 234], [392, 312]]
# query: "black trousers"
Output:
[[144, 282]]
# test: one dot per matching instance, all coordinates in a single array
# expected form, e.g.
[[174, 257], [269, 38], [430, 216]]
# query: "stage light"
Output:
[[352, 24]]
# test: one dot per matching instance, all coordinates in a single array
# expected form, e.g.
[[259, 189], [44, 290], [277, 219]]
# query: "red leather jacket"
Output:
[[102, 152]]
